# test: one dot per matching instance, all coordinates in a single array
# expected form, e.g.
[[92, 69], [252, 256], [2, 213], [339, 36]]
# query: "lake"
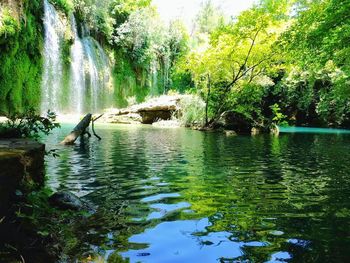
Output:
[[178, 195]]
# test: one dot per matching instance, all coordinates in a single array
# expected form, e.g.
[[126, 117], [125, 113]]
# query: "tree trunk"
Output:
[[207, 102], [80, 129]]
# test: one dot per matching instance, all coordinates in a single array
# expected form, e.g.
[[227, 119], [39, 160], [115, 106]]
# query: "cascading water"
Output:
[[51, 82], [105, 76], [154, 78], [92, 71], [89, 79], [98, 71], [77, 82]]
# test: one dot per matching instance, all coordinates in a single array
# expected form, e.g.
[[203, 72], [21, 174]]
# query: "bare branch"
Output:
[[242, 72], [257, 64], [251, 47]]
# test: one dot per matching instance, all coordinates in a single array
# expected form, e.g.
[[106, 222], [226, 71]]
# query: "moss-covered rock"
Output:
[[22, 166]]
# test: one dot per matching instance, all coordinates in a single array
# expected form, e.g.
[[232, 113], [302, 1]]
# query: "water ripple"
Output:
[[182, 195]]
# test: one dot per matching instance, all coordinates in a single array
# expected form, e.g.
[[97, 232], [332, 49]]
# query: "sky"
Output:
[[187, 9]]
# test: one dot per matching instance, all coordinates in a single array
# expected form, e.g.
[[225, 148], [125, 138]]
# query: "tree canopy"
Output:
[[293, 54], [287, 55]]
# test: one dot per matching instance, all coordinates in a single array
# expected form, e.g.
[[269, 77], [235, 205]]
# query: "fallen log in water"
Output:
[[93, 126], [78, 130]]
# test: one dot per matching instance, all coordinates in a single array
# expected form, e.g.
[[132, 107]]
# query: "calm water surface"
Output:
[[177, 195]]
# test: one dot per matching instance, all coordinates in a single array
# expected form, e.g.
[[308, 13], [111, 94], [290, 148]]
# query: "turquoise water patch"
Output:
[[312, 130]]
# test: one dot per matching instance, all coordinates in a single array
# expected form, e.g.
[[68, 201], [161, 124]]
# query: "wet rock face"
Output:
[[21, 161]]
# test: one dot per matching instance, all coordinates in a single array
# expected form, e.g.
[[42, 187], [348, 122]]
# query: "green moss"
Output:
[[65, 88], [20, 59], [65, 54], [133, 81]]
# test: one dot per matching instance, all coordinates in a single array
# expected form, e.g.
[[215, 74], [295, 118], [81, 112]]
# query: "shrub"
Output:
[[9, 26], [28, 125], [278, 117], [192, 111], [65, 6]]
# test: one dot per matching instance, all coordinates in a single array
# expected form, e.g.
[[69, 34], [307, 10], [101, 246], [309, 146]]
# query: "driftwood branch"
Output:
[[93, 126], [96, 118], [78, 130]]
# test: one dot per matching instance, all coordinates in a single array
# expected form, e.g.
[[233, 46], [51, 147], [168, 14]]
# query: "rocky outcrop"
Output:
[[116, 116], [161, 108], [21, 160]]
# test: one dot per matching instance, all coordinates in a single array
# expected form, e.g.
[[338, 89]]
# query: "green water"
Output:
[[177, 195], [312, 130]]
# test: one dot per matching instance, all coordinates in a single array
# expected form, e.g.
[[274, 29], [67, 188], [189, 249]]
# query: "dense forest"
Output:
[[278, 62]]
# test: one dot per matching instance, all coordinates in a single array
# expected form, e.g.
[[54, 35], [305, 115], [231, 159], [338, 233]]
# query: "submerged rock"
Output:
[[68, 200]]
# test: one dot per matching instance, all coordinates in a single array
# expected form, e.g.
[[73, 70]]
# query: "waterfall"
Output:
[[77, 82], [105, 70], [92, 72], [97, 73], [52, 75], [154, 78], [88, 76]]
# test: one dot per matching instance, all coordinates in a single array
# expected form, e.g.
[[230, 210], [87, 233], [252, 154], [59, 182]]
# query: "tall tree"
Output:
[[238, 54]]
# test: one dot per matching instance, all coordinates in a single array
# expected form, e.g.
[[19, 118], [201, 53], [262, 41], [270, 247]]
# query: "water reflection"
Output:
[[179, 195], [186, 243]]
